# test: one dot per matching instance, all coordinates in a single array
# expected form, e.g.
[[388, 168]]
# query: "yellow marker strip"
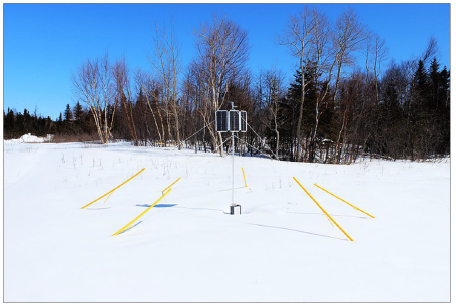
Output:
[[170, 185], [322, 209], [245, 181], [131, 222], [111, 191], [343, 200]]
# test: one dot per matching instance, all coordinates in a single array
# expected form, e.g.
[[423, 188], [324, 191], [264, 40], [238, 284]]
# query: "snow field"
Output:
[[188, 247]]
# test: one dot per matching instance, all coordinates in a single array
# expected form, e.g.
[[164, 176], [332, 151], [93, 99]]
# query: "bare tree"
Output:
[[323, 61], [150, 87], [380, 53], [375, 53], [198, 93], [123, 94], [93, 85], [271, 91], [431, 51], [298, 37], [166, 64], [347, 38], [222, 53]]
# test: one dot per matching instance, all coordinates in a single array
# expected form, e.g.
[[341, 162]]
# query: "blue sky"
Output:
[[45, 43]]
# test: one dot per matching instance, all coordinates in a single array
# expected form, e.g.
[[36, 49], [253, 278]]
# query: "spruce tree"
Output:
[[419, 110], [77, 112], [68, 113], [78, 118], [390, 105], [60, 124], [9, 121], [434, 86], [444, 96]]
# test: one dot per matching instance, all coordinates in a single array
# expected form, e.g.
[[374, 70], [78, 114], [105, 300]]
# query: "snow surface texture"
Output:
[[188, 248]]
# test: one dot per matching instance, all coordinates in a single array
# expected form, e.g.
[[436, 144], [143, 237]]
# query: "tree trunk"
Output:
[[301, 109]]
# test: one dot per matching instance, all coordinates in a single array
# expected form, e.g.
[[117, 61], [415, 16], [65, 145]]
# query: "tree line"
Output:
[[75, 122], [334, 111]]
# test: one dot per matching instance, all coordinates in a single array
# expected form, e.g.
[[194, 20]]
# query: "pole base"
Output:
[[235, 209]]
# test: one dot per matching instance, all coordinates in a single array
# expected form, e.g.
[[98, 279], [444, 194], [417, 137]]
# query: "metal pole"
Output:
[[232, 188]]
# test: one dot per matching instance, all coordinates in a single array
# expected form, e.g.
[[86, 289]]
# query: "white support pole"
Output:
[[232, 189], [234, 206]]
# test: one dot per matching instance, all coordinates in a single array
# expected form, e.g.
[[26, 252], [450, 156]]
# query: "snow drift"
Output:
[[29, 138]]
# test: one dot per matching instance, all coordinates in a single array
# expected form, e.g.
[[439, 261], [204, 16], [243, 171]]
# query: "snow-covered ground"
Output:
[[189, 248]]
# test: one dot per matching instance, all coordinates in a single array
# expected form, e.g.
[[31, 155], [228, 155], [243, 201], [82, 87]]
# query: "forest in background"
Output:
[[334, 111]]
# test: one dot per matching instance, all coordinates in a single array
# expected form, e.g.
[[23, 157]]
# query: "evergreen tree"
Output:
[[78, 112], [445, 88], [9, 121], [59, 124], [5, 125], [68, 113], [391, 108], [421, 90], [26, 121], [434, 86]]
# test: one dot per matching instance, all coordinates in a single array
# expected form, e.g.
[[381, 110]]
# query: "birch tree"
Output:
[[323, 61], [167, 66], [222, 54], [93, 85], [375, 55], [347, 38]]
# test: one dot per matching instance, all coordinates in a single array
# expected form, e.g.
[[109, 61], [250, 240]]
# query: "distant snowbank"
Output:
[[29, 138]]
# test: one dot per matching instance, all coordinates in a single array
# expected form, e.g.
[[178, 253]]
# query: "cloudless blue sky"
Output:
[[45, 43]]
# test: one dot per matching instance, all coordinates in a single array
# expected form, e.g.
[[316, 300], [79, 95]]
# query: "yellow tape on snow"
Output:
[[131, 222], [170, 185], [111, 191], [343, 201], [322, 209]]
